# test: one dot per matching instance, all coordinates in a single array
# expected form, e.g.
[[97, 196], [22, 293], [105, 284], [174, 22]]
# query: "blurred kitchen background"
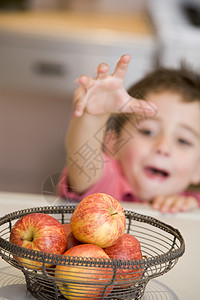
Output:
[[46, 44]]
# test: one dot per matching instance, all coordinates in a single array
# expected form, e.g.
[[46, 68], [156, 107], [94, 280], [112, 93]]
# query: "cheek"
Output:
[[130, 153], [132, 150], [186, 167]]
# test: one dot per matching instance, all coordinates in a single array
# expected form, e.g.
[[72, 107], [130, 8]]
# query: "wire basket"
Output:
[[161, 246]]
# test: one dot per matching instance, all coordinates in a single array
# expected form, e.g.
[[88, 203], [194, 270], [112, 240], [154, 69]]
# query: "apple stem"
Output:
[[115, 213], [28, 236]]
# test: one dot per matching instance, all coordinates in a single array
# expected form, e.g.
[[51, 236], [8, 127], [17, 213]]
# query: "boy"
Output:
[[156, 151]]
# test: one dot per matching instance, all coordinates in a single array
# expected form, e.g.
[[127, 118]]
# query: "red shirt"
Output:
[[112, 182]]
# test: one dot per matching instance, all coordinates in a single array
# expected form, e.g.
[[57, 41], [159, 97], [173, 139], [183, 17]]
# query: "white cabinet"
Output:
[[52, 64]]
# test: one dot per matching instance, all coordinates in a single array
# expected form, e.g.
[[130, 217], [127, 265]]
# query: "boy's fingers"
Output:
[[158, 202], [140, 107], [102, 71], [78, 94], [177, 204], [164, 203], [182, 203], [85, 81], [79, 108], [122, 66], [189, 204], [174, 204], [79, 101]]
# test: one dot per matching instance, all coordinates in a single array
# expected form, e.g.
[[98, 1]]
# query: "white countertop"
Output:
[[182, 282]]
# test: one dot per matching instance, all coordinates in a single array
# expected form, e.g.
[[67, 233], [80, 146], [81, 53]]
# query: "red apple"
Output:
[[67, 228], [126, 248], [71, 240], [41, 232], [84, 282], [98, 219]]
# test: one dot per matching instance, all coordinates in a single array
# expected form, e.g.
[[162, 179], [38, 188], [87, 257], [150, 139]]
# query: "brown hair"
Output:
[[183, 81]]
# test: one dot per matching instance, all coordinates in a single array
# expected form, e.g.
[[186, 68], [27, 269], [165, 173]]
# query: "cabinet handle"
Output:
[[49, 69]]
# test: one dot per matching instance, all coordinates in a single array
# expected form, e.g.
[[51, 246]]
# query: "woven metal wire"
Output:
[[161, 246]]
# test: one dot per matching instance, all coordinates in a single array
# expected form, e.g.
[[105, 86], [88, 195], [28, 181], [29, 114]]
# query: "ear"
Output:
[[196, 176], [110, 142]]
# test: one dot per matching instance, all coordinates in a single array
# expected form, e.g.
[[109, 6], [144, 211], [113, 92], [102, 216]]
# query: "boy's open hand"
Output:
[[106, 94]]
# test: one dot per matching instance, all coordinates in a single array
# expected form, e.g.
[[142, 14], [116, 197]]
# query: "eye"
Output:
[[147, 132], [184, 142]]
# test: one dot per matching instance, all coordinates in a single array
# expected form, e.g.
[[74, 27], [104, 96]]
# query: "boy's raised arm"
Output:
[[94, 101]]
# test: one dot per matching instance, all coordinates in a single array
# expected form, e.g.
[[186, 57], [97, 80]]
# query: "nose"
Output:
[[163, 146]]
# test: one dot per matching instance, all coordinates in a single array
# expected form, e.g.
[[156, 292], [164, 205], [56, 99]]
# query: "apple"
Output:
[[84, 282], [98, 219], [67, 228], [71, 240], [126, 248], [41, 232]]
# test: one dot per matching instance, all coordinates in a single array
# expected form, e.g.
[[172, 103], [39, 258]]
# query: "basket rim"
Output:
[[64, 260]]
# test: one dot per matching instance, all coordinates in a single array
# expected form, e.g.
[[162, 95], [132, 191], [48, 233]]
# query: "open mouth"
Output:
[[156, 172]]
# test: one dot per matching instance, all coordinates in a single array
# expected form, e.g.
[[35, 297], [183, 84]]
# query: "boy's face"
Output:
[[163, 157]]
